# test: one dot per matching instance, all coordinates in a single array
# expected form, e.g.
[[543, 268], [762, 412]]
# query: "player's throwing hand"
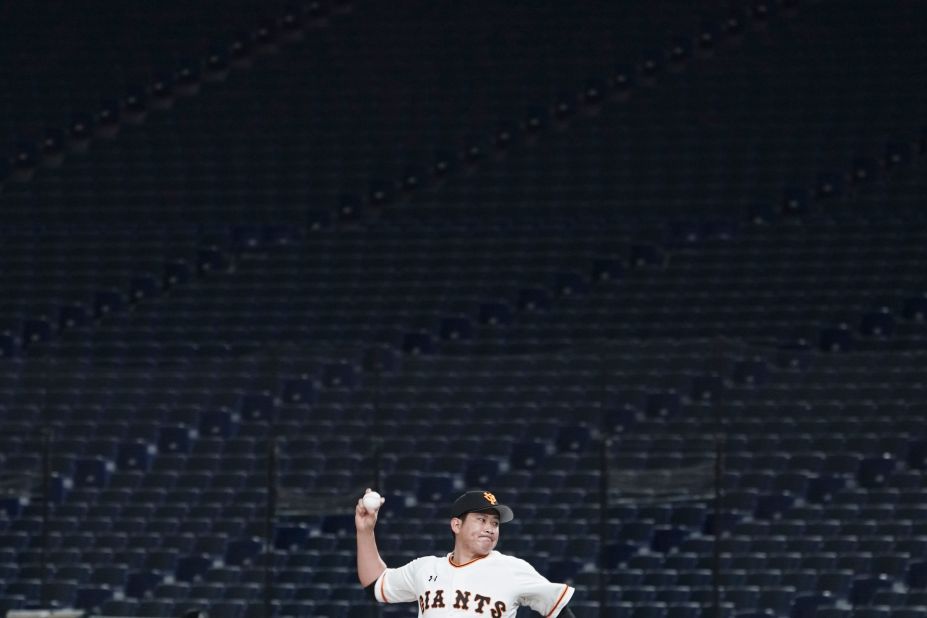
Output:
[[365, 517]]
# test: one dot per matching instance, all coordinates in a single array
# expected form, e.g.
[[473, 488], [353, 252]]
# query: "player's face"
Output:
[[478, 533]]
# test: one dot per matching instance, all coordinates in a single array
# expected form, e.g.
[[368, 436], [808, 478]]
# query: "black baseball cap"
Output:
[[480, 501]]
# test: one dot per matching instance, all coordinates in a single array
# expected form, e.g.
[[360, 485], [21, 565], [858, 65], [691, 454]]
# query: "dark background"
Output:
[[650, 272]]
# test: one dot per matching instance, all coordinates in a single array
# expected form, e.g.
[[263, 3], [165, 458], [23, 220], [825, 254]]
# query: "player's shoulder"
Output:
[[423, 562], [512, 561]]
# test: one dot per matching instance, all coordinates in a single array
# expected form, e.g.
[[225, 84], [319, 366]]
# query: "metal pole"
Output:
[[377, 432], [606, 430], [378, 447], [46, 509], [270, 516], [603, 527], [718, 509]]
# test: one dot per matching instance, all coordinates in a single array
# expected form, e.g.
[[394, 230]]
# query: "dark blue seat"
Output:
[[616, 554], [118, 607], [111, 575], [435, 488], [776, 599], [528, 454], [91, 472], [313, 592], [837, 583], [91, 598], [164, 560], [770, 505], [573, 438], [340, 375], [256, 407], [649, 610], [683, 610], [495, 313], [242, 551], [689, 516], [806, 605], [155, 608], [208, 590], [301, 390], [210, 544], [916, 576], [662, 404], [877, 323], [667, 538], [227, 608], [873, 471], [824, 486], [222, 575], [193, 567], [217, 423], [60, 593], [481, 472], [139, 583], [333, 609], [564, 570], [174, 439], [302, 609], [29, 589], [290, 537], [534, 299], [418, 342], [872, 612], [333, 576]]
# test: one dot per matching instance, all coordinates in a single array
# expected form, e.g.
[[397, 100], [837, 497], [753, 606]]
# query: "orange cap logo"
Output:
[[489, 498]]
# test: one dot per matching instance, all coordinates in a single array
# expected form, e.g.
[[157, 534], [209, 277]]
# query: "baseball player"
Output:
[[472, 580]]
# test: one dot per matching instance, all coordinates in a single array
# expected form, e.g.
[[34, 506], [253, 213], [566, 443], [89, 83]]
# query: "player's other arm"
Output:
[[537, 592], [369, 563]]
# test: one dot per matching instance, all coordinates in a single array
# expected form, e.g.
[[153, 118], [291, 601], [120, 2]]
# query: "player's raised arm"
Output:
[[369, 563]]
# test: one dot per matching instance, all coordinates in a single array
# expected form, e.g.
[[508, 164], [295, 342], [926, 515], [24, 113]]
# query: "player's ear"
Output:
[[455, 524]]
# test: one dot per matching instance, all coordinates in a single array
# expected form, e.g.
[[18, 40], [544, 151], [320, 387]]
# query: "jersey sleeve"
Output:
[[540, 594], [398, 585]]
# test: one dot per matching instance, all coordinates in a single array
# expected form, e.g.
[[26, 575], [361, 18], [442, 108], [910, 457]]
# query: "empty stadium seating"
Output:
[[652, 275]]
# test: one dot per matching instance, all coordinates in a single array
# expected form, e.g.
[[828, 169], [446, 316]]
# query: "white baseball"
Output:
[[372, 501]]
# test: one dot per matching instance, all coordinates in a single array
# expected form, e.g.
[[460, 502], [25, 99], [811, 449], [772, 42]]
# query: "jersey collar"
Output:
[[460, 566]]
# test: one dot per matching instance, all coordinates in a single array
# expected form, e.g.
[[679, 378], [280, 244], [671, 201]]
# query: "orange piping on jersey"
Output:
[[557, 604], [382, 584], [460, 566]]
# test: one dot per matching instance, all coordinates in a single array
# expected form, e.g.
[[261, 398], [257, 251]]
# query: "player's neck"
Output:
[[461, 556]]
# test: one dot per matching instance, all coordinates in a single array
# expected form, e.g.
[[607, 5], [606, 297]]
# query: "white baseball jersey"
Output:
[[493, 586]]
